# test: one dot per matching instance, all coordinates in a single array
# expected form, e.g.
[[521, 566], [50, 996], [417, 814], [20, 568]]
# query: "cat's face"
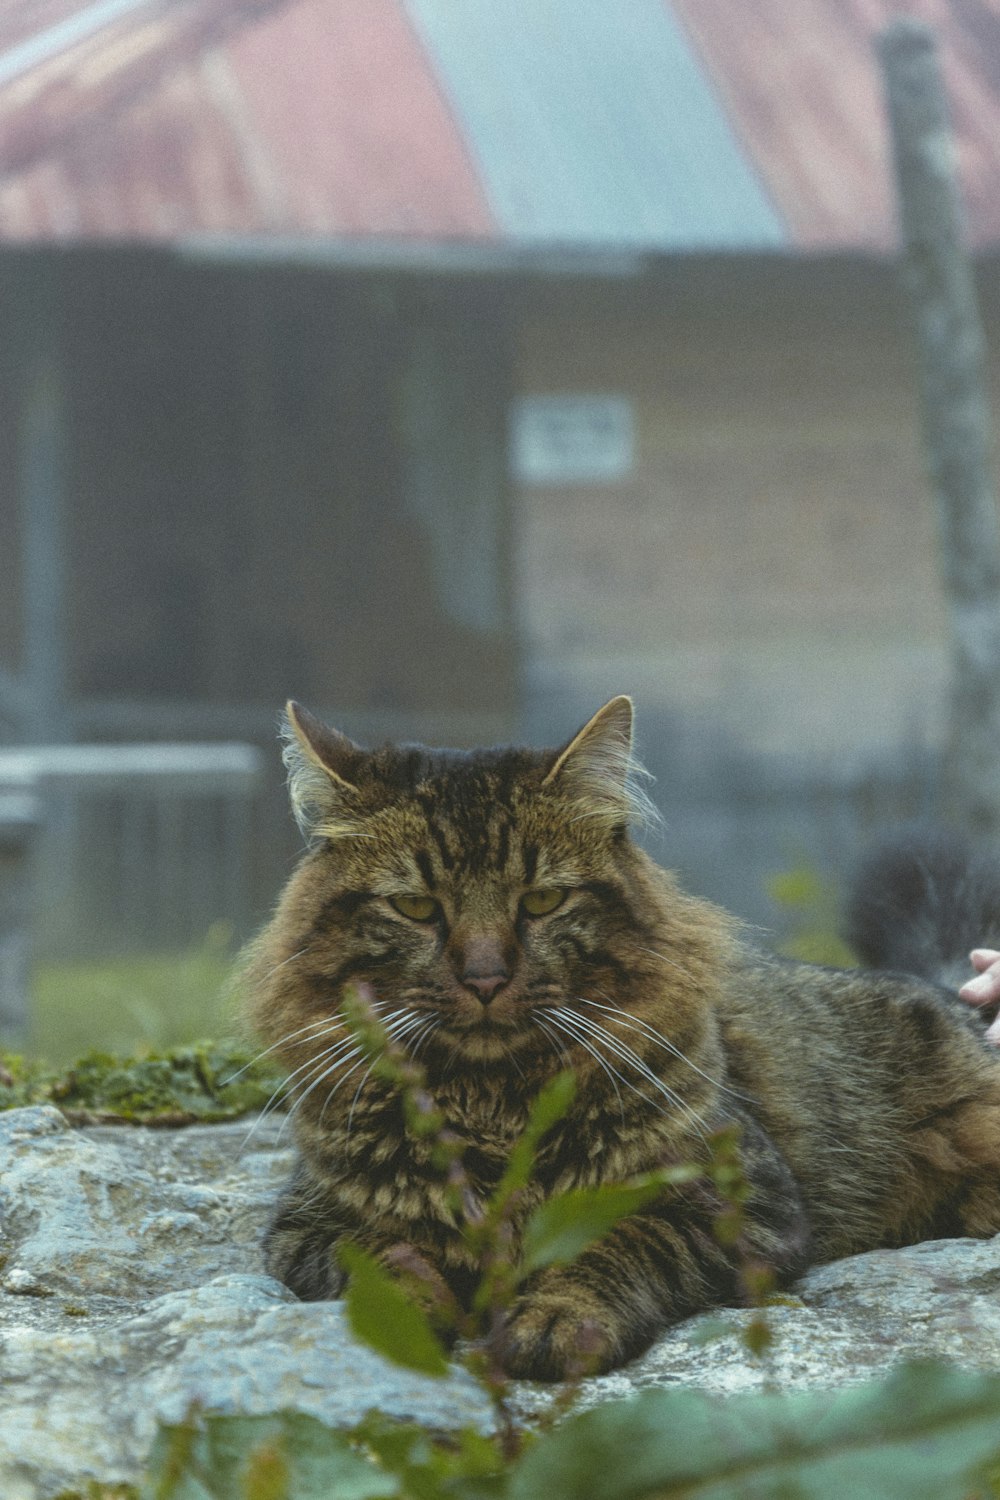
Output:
[[472, 892]]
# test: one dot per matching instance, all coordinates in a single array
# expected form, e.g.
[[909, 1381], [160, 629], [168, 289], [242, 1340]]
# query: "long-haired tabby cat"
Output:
[[508, 925]]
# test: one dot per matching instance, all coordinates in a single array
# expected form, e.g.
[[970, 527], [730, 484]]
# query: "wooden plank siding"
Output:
[[770, 566]]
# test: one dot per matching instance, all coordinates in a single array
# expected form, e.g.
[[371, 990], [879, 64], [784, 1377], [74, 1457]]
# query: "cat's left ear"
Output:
[[597, 768], [322, 766]]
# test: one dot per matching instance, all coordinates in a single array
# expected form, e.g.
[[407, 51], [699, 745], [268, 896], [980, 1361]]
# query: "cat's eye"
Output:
[[539, 902], [417, 908]]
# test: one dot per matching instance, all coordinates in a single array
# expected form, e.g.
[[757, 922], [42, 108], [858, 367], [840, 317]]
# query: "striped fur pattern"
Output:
[[508, 925]]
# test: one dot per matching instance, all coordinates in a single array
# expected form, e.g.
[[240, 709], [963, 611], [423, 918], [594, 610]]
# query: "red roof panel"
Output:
[[200, 116], [358, 137]]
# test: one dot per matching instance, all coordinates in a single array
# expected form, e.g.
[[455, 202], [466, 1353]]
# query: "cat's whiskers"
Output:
[[311, 1025], [325, 1068], [322, 1075], [285, 961], [344, 1046], [327, 1022], [556, 1042], [432, 1026], [574, 1023], [398, 1025], [591, 1049], [422, 1032], [315, 1071], [286, 1086], [613, 1074], [636, 1023], [411, 1023], [671, 963]]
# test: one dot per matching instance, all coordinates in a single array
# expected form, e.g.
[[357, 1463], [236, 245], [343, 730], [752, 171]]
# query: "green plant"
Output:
[[405, 1328], [926, 1433], [291, 1457]]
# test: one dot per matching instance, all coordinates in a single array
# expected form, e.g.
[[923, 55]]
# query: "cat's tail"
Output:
[[920, 901]]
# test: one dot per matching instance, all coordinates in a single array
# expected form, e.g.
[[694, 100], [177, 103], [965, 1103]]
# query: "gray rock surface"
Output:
[[131, 1285]]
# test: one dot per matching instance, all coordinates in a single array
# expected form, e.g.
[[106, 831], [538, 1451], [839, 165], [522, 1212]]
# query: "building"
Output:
[[452, 364]]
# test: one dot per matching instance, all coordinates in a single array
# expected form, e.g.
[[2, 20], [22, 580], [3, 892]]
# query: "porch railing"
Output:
[[119, 848]]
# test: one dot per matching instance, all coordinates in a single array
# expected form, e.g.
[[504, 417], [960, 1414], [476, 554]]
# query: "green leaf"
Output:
[[548, 1109], [463, 1466], [385, 1318], [561, 1227], [926, 1433], [284, 1456]]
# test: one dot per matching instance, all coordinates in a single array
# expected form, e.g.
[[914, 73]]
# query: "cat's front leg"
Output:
[[300, 1240], [312, 1220], [301, 1250], [657, 1266], [612, 1302], [562, 1329]]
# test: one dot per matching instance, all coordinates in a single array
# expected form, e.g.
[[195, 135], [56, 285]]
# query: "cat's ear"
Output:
[[597, 768], [322, 765]]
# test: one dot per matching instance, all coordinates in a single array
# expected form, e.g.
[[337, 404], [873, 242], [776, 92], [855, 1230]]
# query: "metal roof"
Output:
[[592, 121], [803, 91], [611, 124]]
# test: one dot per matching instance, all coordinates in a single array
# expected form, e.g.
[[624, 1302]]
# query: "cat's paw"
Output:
[[560, 1333], [424, 1284], [306, 1263]]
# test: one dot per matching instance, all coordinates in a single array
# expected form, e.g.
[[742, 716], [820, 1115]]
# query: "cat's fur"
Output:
[[868, 1104]]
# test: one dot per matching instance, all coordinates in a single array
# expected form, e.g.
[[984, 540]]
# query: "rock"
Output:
[[83, 1403], [131, 1286], [845, 1322]]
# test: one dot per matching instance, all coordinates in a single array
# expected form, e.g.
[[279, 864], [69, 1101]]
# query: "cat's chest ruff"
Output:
[[489, 1125]]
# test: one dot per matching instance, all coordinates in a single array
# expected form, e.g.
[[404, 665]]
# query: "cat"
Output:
[[507, 923]]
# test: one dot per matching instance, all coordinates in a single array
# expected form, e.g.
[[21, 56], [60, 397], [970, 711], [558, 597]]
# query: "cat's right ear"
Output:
[[322, 765]]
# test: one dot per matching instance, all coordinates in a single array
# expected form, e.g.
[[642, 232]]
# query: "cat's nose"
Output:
[[481, 962], [485, 985]]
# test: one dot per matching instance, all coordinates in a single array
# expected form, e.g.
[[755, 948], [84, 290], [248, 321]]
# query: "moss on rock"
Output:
[[202, 1082]]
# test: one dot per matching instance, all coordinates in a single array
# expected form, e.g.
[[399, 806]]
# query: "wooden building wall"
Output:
[[292, 482], [769, 567], [270, 484]]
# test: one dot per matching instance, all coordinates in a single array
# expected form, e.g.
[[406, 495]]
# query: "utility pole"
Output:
[[956, 415]]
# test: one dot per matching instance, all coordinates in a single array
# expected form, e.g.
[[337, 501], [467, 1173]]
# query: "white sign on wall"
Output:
[[566, 439]]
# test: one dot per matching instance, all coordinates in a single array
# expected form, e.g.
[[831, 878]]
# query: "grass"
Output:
[[133, 1004]]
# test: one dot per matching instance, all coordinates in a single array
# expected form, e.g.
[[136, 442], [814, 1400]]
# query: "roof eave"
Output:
[[423, 257]]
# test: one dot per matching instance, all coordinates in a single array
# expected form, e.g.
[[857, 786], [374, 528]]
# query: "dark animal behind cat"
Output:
[[508, 925]]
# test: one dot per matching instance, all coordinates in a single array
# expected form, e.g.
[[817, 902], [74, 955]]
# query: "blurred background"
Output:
[[451, 365]]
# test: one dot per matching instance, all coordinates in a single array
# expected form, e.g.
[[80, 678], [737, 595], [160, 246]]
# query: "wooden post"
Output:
[[43, 485], [19, 820], [42, 494], [956, 417]]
